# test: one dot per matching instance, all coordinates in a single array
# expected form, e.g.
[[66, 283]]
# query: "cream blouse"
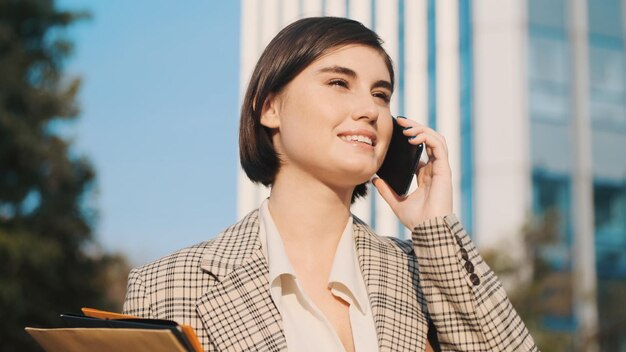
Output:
[[304, 325]]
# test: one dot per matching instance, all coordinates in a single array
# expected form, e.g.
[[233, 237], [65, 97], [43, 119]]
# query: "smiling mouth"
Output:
[[358, 138]]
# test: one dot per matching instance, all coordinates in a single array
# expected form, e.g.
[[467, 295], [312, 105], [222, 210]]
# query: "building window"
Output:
[[548, 61], [609, 203], [551, 206], [551, 201], [607, 65]]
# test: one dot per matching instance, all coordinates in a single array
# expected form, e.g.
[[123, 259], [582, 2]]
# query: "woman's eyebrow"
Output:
[[338, 69], [383, 84], [352, 74]]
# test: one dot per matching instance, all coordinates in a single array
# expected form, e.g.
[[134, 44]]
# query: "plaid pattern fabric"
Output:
[[220, 287], [466, 301]]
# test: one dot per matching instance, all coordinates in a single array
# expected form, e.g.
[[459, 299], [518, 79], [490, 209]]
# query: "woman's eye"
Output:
[[383, 96], [339, 83]]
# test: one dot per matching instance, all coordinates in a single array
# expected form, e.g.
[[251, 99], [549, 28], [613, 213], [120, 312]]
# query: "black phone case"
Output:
[[401, 161]]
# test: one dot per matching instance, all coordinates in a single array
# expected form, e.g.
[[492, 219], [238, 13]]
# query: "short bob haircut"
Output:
[[289, 53]]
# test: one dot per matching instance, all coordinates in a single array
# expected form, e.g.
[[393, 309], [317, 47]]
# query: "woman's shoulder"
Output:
[[403, 245], [189, 259]]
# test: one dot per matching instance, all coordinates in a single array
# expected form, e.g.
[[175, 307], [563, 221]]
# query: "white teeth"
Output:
[[357, 138]]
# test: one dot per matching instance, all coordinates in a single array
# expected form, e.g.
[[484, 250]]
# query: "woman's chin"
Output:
[[359, 171], [356, 178]]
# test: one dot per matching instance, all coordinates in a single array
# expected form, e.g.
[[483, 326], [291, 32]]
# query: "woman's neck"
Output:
[[307, 212]]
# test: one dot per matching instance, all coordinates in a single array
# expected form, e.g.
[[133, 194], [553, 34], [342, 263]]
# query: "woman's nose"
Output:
[[365, 108]]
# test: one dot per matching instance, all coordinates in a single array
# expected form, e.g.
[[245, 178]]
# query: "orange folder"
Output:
[[104, 338]]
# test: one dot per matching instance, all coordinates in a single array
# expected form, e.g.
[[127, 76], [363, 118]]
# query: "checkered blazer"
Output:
[[220, 287]]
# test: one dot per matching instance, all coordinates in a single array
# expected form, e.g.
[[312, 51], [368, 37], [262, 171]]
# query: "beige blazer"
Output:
[[220, 287]]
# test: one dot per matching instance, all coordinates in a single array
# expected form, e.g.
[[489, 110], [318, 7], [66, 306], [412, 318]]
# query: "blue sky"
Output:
[[159, 117]]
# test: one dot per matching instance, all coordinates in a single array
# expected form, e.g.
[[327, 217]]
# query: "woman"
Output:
[[301, 272]]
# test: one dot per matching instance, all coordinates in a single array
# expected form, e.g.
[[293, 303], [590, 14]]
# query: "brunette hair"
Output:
[[289, 53]]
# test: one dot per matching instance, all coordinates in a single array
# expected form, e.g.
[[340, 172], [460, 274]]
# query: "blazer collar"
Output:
[[233, 247], [236, 260], [392, 279], [238, 311]]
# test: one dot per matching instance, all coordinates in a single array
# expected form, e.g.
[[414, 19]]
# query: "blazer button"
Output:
[[459, 241], [464, 254], [475, 279], [469, 267]]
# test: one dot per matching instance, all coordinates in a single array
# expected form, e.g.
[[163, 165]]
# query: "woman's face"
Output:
[[332, 121]]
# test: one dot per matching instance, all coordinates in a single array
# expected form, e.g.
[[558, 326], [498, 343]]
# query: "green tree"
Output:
[[540, 290], [49, 262]]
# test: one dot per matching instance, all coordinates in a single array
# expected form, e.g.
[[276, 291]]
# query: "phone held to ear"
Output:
[[401, 161]]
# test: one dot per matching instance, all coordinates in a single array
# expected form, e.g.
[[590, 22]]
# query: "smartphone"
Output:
[[400, 162]]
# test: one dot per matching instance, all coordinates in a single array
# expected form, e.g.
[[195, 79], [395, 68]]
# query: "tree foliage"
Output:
[[542, 290], [537, 289], [49, 262]]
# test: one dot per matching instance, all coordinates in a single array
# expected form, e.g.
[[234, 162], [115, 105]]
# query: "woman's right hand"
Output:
[[433, 196]]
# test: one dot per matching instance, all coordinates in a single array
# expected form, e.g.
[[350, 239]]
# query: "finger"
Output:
[[414, 130], [437, 137], [406, 122], [385, 191], [435, 147], [409, 124]]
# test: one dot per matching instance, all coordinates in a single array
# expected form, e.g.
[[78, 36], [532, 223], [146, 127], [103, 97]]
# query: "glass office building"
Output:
[[531, 97], [557, 67]]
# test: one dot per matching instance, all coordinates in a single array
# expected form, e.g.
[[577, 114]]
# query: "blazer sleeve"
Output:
[[466, 301], [136, 302]]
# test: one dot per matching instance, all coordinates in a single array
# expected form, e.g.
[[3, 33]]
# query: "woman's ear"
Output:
[[269, 113]]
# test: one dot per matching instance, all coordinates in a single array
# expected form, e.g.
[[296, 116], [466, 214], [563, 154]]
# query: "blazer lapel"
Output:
[[239, 314], [238, 311], [391, 278]]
